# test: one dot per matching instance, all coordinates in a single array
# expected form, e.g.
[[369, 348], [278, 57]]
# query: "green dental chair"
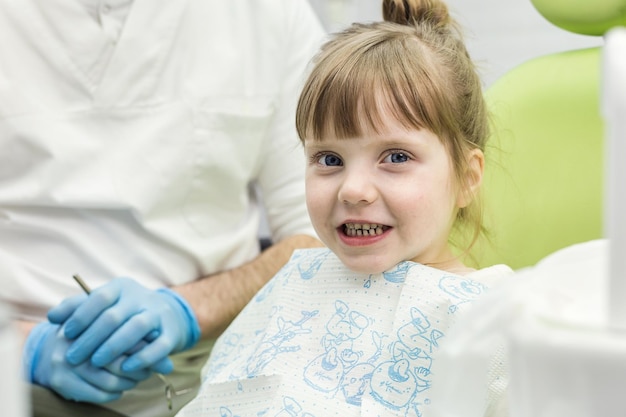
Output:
[[543, 185]]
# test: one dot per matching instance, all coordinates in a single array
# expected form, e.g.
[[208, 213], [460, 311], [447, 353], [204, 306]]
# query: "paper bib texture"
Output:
[[320, 340]]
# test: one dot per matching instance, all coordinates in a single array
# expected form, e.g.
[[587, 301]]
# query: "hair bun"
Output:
[[409, 12]]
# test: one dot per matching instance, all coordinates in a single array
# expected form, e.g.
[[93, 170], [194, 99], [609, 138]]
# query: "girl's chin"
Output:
[[366, 267]]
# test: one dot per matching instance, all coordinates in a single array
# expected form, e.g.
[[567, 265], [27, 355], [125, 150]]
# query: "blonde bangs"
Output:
[[356, 84]]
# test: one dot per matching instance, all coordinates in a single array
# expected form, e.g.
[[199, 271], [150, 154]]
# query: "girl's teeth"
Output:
[[364, 229]]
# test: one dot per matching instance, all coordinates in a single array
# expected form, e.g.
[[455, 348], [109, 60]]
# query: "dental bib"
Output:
[[321, 340]]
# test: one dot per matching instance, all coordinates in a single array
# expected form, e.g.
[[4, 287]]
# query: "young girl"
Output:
[[393, 123]]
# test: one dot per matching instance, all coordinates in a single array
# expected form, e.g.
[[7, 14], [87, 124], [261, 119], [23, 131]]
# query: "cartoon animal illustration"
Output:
[[309, 269], [275, 345], [393, 384], [462, 290], [324, 373], [397, 274], [291, 408], [414, 339], [356, 381], [344, 326]]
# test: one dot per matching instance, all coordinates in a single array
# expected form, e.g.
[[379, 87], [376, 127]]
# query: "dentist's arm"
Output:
[[217, 299], [118, 315]]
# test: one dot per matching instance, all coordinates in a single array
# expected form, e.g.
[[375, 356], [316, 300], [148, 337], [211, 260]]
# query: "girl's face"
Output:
[[383, 198]]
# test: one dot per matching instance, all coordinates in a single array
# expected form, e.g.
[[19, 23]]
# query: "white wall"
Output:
[[500, 34]]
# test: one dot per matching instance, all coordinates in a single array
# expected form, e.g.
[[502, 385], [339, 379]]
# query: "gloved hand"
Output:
[[44, 364], [115, 318]]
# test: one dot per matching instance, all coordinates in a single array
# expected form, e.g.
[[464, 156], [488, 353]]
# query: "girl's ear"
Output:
[[473, 178]]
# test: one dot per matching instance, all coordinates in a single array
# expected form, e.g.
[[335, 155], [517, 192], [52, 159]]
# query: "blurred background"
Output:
[[500, 34]]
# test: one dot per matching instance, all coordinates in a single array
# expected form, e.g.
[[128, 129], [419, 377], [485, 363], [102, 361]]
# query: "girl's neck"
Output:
[[453, 265]]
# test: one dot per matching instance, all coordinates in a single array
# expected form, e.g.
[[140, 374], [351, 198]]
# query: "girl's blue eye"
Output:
[[397, 157], [330, 160]]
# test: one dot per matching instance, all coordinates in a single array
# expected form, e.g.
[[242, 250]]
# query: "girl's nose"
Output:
[[357, 187]]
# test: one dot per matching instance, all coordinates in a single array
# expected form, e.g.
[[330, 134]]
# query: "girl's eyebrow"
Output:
[[315, 147], [403, 140]]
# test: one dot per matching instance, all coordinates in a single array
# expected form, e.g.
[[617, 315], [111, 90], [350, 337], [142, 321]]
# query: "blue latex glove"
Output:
[[115, 318], [44, 364]]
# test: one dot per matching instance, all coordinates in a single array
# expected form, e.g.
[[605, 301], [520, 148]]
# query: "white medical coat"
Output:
[[137, 157]]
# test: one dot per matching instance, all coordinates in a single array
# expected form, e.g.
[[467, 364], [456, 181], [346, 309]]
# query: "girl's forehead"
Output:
[[382, 124], [390, 134]]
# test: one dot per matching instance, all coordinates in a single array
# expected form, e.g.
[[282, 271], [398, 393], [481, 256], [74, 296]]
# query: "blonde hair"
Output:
[[415, 66]]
